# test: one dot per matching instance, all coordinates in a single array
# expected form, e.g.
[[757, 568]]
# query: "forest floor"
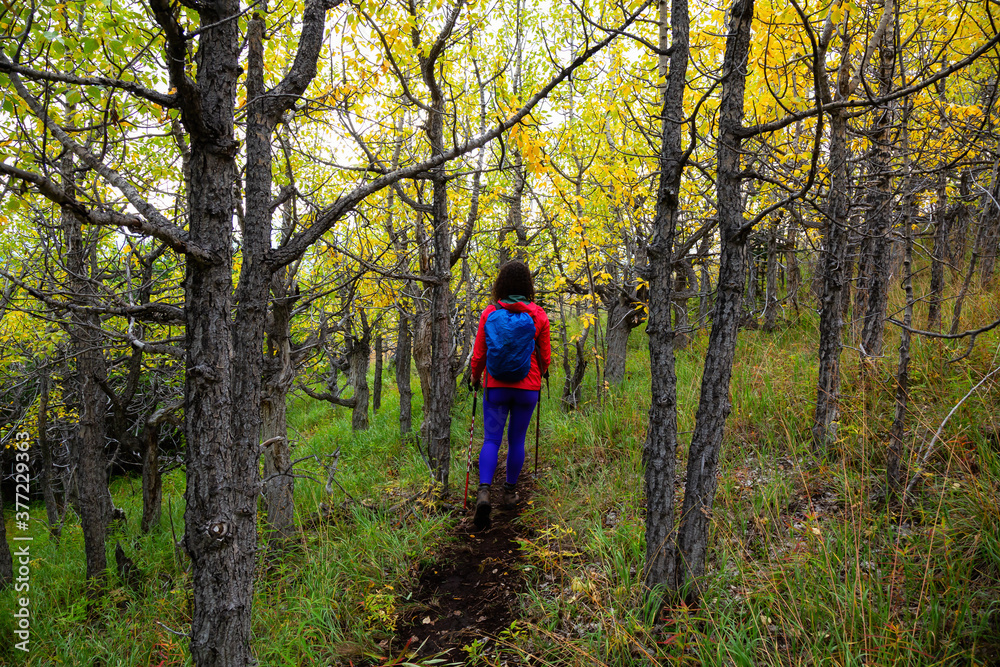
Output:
[[808, 566], [469, 594]]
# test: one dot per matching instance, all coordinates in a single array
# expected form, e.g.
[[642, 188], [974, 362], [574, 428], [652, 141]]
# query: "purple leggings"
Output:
[[498, 403]]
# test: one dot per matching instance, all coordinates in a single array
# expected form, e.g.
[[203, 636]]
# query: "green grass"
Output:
[[331, 598], [805, 569]]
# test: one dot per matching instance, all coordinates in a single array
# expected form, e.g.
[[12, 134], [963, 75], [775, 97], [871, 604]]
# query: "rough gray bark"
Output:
[[152, 485], [938, 255], [221, 461], [895, 465], [850, 263], [834, 278], [149, 441], [771, 281], [660, 449], [377, 389], [225, 357], [438, 400], [402, 365], [358, 355], [515, 215], [960, 225], [6, 562], [623, 316], [222, 396], [990, 232], [792, 264], [714, 405], [421, 344], [278, 376], [278, 482], [572, 393], [749, 317], [704, 280], [956, 316], [279, 365], [685, 279], [47, 474], [90, 477], [871, 298], [573, 379]]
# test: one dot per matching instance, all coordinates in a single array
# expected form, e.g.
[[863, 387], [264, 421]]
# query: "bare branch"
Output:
[[164, 100]]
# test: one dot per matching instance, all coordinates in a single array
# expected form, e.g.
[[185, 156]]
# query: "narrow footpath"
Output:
[[471, 591]]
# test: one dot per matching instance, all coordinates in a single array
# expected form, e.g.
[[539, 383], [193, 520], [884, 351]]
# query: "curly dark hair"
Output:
[[514, 278]]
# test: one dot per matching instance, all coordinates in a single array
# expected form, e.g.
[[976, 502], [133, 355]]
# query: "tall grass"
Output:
[[806, 567], [331, 597]]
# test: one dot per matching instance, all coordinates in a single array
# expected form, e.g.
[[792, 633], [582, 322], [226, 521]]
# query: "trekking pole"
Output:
[[538, 417], [538, 421], [468, 452]]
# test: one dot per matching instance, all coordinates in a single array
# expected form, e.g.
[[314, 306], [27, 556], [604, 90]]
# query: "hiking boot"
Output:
[[510, 496], [482, 518]]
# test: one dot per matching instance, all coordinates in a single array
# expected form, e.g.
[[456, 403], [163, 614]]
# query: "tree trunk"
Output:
[[938, 255], [377, 389], [421, 343], [750, 294], [438, 401], [956, 316], [572, 393], [873, 265], [824, 429], [47, 474], [683, 276], [659, 453], [86, 347], [714, 405], [850, 261], [221, 403], [152, 486], [439, 398], [6, 561], [990, 230], [771, 289], [573, 382], [895, 466], [278, 376], [959, 226], [704, 280], [403, 374], [622, 318], [358, 354], [792, 262], [279, 484], [514, 211]]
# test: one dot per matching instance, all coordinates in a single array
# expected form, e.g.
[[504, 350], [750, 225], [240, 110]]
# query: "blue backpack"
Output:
[[510, 342]]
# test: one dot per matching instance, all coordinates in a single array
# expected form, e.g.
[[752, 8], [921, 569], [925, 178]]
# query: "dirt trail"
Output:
[[470, 592]]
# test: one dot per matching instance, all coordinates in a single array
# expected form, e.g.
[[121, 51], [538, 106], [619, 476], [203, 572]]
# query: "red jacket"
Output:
[[543, 351]]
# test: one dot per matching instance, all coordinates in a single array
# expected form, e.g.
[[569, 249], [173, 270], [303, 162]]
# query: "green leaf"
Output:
[[89, 45], [73, 96]]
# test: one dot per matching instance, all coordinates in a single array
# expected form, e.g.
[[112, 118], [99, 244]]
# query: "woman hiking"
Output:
[[512, 346]]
